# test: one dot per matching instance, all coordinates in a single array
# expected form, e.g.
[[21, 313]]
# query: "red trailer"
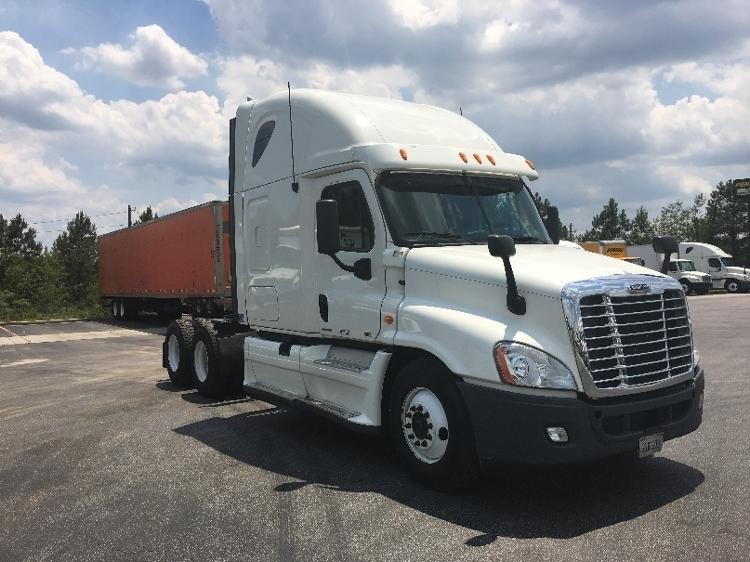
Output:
[[174, 263]]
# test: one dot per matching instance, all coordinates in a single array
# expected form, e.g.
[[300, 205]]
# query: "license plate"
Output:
[[650, 444]]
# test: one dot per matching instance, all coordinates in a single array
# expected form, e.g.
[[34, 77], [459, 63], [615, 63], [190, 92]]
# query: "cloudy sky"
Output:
[[108, 103]]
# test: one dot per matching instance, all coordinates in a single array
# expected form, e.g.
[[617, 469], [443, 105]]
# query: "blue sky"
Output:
[[104, 104]]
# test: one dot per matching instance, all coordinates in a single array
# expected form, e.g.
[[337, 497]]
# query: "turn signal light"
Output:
[[403, 154], [477, 158], [530, 164], [491, 159], [463, 157]]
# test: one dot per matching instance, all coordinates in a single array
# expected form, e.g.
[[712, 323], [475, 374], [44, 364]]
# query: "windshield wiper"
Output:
[[528, 239], [445, 235]]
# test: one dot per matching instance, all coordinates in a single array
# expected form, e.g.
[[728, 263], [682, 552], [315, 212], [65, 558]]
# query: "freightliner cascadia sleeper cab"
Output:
[[392, 273]]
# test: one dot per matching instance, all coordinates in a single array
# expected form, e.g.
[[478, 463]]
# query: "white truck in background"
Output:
[[710, 259], [391, 272], [682, 270]]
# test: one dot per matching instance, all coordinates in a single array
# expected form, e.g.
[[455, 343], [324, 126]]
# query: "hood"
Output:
[[737, 270], [538, 268]]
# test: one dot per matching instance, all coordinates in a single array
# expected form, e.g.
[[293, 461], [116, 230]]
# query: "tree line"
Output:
[[61, 281], [720, 219]]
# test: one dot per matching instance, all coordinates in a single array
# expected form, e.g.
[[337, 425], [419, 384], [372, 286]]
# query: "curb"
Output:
[[51, 321]]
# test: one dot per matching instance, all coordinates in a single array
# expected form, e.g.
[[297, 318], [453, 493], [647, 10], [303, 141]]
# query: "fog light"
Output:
[[557, 434], [700, 401]]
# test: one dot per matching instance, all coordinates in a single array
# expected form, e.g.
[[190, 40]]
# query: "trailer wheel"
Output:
[[129, 309], [178, 352], [208, 378], [115, 309], [430, 427], [732, 286]]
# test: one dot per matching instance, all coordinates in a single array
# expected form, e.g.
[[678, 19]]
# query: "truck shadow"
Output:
[[509, 502]]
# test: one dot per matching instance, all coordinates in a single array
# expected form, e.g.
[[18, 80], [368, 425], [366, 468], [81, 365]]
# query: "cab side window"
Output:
[[714, 262], [356, 230], [672, 266]]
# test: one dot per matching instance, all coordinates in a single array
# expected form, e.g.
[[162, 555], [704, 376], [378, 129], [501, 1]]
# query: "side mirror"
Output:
[[553, 224], [666, 245], [327, 217], [501, 246]]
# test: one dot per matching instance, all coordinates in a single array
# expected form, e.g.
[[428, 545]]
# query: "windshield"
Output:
[[686, 266], [424, 208], [728, 262]]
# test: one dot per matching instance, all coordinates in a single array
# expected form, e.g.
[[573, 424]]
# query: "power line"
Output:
[[90, 216]]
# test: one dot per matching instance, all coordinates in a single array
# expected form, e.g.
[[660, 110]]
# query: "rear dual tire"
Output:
[[179, 346], [124, 309]]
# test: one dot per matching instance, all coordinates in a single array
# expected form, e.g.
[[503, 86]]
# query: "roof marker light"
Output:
[[477, 158], [491, 159], [403, 154], [463, 157], [530, 164]]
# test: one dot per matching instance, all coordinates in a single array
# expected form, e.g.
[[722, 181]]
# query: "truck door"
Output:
[[350, 307]]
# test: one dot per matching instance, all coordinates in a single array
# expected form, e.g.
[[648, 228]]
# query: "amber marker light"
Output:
[[404, 155], [502, 363], [491, 159], [463, 157], [530, 164], [477, 158], [388, 319]]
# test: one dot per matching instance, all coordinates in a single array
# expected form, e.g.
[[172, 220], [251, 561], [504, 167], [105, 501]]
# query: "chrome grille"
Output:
[[627, 341]]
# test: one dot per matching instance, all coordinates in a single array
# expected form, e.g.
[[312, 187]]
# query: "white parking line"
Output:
[[74, 336], [24, 362]]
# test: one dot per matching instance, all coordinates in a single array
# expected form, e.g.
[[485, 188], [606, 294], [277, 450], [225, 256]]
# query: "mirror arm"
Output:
[[342, 265], [516, 303]]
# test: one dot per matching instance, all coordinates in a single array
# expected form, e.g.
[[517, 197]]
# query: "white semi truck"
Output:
[[710, 259], [682, 270], [392, 273]]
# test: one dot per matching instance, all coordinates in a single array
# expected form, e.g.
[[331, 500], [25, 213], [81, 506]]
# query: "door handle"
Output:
[[323, 307]]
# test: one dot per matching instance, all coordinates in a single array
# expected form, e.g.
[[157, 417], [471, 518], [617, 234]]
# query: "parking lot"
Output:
[[102, 458]]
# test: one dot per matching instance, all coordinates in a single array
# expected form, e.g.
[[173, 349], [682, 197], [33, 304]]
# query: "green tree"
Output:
[[677, 219], [147, 215], [726, 223], [641, 228], [610, 224], [17, 238], [76, 251]]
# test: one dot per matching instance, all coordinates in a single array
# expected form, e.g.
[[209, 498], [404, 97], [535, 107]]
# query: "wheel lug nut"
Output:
[[424, 443], [419, 408], [426, 414], [407, 425], [429, 437], [429, 426]]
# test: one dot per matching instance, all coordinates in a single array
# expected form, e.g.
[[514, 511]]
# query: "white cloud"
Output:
[[153, 59], [419, 14]]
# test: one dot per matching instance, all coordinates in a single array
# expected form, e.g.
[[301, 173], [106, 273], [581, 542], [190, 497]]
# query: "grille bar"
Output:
[[635, 340]]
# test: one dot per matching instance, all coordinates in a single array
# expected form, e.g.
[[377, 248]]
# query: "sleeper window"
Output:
[[714, 262], [261, 140], [356, 230]]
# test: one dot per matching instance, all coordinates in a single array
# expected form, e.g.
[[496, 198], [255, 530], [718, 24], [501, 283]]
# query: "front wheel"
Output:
[[686, 286], [430, 427], [732, 286]]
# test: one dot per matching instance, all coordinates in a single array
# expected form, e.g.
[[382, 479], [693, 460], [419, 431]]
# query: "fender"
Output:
[[464, 341]]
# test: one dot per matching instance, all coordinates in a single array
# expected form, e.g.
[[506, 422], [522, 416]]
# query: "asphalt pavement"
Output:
[[102, 458]]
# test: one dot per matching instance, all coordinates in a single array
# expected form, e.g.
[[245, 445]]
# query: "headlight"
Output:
[[696, 357], [523, 365]]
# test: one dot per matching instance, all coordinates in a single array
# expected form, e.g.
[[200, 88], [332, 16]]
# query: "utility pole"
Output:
[[742, 189], [130, 215]]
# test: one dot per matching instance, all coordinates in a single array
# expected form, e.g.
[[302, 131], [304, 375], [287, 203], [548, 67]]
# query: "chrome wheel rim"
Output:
[[200, 356], [425, 425], [173, 353], [732, 287], [115, 309], [122, 309]]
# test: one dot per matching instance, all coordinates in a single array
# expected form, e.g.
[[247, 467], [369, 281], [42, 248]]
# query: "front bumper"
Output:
[[511, 427], [701, 286]]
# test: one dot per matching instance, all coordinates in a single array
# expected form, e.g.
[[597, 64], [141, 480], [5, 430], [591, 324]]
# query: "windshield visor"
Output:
[[433, 209]]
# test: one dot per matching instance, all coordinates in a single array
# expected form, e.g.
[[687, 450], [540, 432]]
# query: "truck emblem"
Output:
[[638, 288]]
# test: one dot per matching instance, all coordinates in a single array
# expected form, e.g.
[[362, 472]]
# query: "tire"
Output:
[[178, 352], [207, 376], [732, 286], [115, 309], [129, 309], [687, 287], [445, 456], [702, 292]]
